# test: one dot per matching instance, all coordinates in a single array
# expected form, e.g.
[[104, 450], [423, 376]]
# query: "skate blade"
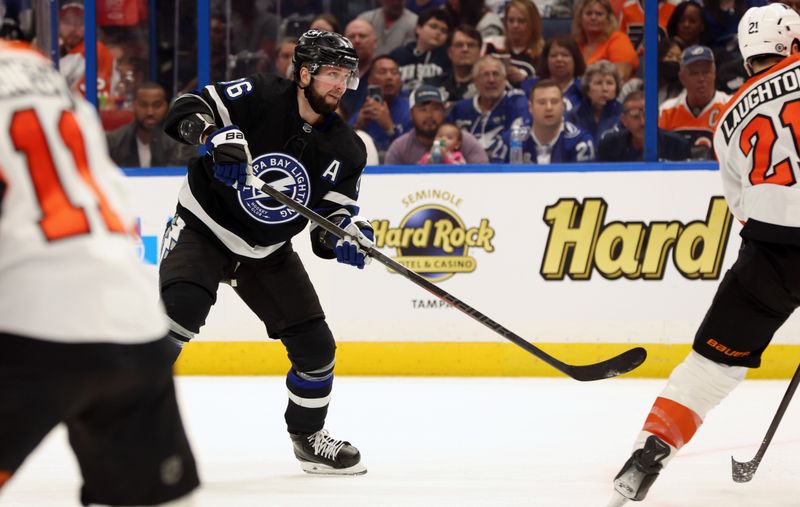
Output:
[[319, 469], [617, 500]]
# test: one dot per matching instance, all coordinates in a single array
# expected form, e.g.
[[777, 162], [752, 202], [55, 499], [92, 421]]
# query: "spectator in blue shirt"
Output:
[[419, 6], [599, 111], [426, 57], [562, 62], [493, 111], [553, 140], [385, 112]]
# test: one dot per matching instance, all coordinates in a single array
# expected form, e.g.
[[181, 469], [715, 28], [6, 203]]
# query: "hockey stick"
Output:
[[612, 367], [743, 472]]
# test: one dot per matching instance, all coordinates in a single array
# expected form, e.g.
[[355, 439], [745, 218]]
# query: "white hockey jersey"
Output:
[[68, 267], [757, 142]]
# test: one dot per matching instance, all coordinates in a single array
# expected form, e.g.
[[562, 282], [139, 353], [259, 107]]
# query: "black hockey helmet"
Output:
[[316, 48]]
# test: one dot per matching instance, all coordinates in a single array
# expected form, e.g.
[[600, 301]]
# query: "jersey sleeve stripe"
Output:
[[339, 199], [224, 115], [192, 96]]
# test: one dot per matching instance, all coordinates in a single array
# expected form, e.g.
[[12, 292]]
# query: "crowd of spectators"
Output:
[[568, 72]]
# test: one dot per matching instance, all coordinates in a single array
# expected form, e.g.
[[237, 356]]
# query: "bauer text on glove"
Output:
[[231, 155]]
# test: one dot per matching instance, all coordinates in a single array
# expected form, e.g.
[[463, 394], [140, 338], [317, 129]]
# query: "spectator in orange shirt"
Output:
[[632, 19], [72, 64], [694, 113], [594, 28]]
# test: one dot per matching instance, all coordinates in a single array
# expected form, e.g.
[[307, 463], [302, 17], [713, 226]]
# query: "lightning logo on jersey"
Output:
[[286, 174]]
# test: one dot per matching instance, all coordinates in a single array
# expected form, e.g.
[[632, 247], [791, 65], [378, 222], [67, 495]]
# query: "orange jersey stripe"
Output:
[[633, 13], [672, 422]]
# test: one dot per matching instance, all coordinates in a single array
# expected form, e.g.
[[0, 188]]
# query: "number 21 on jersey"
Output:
[[60, 217], [762, 129]]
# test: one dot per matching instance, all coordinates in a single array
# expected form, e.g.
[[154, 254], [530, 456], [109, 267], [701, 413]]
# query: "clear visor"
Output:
[[336, 76]]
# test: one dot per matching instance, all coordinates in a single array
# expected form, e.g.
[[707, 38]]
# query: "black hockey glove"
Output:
[[231, 155]]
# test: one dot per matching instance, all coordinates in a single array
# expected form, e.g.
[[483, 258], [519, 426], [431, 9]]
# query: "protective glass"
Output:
[[335, 76]]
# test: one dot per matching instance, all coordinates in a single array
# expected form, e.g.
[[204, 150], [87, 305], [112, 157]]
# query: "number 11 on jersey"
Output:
[[60, 217]]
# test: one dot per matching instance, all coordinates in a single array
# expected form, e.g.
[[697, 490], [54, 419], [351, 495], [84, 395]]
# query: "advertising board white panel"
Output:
[[556, 257]]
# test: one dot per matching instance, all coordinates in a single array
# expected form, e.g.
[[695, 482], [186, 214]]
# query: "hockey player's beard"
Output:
[[318, 103]]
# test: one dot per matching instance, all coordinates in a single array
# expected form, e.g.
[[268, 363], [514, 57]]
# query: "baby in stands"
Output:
[[446, 146]]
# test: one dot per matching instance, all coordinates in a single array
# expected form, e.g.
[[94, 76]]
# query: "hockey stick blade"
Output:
[[744, 472], [612, 367]]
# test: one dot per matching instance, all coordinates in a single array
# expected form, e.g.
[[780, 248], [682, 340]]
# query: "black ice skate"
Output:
[[640, 471], [318, 453]]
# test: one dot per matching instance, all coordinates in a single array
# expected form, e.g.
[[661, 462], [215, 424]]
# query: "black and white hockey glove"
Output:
[[231, 155], [360, 236]]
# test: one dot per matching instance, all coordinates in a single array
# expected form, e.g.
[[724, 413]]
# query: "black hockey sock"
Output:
[[309, 395]]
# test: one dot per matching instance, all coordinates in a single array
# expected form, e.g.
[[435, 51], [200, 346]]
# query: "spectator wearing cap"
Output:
[[72, 63], [394, 25], [427, 115], [493, 111], [626, 144], [695, 111], [427, 56], [385, 114]]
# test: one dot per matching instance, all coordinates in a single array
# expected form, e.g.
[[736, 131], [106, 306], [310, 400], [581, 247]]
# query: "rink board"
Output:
[[584, 262]]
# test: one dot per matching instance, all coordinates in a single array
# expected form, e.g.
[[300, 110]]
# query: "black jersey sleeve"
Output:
[[238, 102], [188, 104]]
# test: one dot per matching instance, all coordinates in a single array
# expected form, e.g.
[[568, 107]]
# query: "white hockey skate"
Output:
[[320, 454]]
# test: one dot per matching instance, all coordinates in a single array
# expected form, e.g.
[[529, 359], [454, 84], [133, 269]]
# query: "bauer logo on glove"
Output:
[[231, 155]]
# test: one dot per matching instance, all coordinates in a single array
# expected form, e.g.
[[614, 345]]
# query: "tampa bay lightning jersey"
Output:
[[571, 145], [318, 166], [489, 128], [573, 95], [582, 115], [416, 67]]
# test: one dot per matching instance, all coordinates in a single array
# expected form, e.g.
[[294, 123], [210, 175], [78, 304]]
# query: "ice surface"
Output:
[[444, 442]]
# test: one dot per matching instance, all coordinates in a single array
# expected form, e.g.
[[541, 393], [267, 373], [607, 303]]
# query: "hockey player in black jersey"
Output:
[[287, 134]]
